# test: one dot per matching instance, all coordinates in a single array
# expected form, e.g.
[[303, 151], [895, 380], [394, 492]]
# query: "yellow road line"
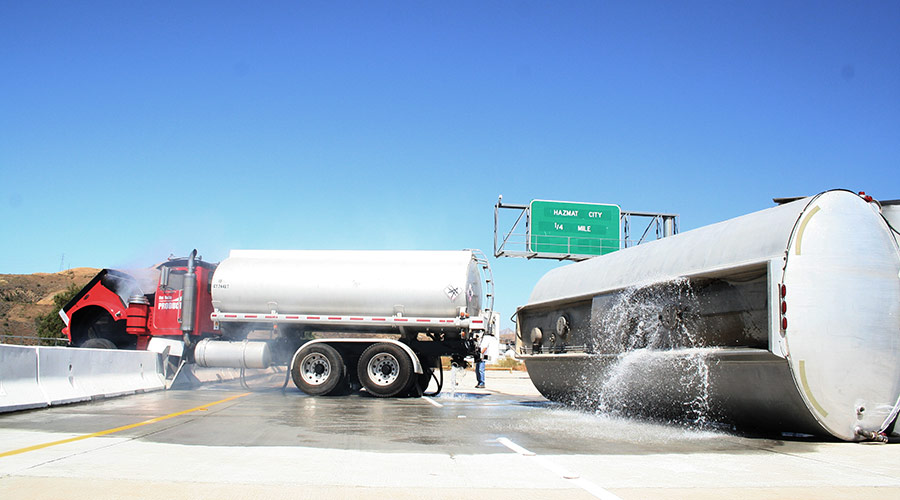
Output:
[[118, 429]]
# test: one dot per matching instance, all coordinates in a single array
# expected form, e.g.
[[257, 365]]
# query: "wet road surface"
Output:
[[223, 441]]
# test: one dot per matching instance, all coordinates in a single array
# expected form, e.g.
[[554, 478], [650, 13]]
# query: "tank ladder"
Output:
[[481, 260]]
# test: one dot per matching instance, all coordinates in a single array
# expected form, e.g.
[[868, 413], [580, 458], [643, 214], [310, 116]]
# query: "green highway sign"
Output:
[[569, 228]]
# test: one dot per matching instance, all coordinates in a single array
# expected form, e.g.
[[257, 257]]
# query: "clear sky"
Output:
[[132, 130]]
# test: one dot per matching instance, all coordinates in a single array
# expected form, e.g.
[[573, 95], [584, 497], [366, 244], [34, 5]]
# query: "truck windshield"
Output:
[[176, 280]]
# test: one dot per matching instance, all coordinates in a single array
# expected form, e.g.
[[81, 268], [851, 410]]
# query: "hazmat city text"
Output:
[[574, 213]]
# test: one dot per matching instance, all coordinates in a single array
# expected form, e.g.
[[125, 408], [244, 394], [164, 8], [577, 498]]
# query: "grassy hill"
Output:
[[26, 297]]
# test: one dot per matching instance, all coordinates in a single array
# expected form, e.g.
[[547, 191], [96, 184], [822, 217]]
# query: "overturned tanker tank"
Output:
[[786, 319]]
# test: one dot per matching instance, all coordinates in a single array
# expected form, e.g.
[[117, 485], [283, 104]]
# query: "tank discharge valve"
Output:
[[537, 337], [562, 326], [874, 436]]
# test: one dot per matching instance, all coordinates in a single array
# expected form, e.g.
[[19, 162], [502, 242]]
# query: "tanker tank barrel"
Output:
[[363, 283]]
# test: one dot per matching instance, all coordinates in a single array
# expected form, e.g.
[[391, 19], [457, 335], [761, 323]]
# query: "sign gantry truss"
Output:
[[573, 231]]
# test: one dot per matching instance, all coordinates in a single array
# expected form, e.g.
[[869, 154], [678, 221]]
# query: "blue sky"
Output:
[[132, 130]]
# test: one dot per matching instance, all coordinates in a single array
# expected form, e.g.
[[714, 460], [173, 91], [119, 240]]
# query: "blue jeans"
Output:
[[479, 372]]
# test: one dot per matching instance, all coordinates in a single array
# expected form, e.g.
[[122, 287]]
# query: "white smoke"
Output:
[[144, 282]]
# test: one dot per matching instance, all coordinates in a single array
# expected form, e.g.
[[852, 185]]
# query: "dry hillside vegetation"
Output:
[[25, 297]]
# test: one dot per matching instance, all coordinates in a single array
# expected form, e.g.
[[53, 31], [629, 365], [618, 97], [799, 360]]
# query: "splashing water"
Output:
[[456, 375], [649, 358]]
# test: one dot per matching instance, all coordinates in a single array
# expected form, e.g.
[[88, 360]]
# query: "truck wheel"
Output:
[[98, 343], [94, 323], [318, 369], [384, 370]]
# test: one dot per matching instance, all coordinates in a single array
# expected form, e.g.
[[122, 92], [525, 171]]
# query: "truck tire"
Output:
[[94, 323], [318, 369], [384, 370], [98, 343]]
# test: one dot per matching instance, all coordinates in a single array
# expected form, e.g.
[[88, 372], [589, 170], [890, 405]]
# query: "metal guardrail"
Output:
[[38, 340]]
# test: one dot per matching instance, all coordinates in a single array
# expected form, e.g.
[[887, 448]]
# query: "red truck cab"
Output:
[[118, 310]]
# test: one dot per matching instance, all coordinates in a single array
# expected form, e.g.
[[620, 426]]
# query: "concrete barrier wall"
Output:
[[33, 377], [19, 388]]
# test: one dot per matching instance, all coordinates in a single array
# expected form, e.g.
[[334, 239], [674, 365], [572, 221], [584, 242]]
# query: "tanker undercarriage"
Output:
[[659, 350], [342, 361]]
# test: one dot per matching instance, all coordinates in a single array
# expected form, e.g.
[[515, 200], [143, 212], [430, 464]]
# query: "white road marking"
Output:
[[514, 447], [582, 483], [433, 402]]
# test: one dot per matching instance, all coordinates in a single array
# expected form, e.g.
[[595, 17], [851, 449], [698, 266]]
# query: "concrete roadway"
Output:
[[223, 442]]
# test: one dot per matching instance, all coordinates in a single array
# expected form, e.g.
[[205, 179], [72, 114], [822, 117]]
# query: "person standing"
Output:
[[479, 369], [488, 349]]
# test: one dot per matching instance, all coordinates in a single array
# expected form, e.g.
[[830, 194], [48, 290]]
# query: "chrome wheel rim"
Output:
[[315, 369], [383, 369]]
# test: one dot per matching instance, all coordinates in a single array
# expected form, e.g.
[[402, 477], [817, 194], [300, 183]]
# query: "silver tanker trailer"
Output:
[[787, 319], [381, 319]]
